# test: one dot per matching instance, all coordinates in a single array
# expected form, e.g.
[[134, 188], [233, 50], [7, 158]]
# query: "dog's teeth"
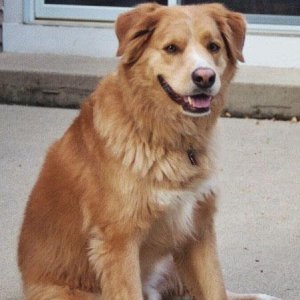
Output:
[[190, 101]]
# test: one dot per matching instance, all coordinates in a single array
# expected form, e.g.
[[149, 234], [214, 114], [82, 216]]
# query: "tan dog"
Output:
[[123, 208]]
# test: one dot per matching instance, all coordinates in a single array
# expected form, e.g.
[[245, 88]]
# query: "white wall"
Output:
[[263, 47]]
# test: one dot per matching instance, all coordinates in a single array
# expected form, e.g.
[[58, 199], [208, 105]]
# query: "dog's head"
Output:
[[187, 53]]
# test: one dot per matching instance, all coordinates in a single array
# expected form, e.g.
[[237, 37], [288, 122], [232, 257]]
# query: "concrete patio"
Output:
[[258, 223]]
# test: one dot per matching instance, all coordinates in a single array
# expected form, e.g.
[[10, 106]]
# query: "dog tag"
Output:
[[192, 158]]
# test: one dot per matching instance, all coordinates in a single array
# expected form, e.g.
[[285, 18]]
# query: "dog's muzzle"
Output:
[[195, 104]]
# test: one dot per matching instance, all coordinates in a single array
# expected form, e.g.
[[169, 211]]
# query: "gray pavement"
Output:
[[258, 223]]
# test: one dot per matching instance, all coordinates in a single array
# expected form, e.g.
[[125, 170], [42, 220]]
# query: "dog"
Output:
[[123, 208]]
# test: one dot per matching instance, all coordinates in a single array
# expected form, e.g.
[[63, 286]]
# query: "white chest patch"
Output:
[[179, 205]]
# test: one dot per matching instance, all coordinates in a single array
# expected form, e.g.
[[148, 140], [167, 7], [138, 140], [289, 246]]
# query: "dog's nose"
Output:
[[204, 77]]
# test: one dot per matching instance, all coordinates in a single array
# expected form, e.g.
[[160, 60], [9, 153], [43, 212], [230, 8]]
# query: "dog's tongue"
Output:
[[199, 101]]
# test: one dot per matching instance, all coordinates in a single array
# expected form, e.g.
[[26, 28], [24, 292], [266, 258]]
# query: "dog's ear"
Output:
[[233, 29], [234, 35], [134, 29]]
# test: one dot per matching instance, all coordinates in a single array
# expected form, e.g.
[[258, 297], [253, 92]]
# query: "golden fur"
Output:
[[119, 211]]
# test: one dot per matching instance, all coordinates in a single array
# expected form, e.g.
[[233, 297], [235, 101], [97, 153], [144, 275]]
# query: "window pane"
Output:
[[122, 3], [266, 7]]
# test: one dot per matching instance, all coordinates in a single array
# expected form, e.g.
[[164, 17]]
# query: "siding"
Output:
[[1, 21]]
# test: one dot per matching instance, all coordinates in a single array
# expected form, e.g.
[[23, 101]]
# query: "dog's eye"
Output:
[[213, 47], [171, 49]]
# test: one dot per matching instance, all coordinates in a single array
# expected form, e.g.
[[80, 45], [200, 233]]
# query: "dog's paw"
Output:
[[266, 297], [234, 296]]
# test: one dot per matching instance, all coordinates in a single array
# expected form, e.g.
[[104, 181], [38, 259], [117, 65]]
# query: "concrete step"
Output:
[[64, 81]]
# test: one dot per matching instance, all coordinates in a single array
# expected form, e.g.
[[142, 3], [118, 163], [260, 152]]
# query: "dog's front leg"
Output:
[[200, 270], [198, 262], [117, 266]]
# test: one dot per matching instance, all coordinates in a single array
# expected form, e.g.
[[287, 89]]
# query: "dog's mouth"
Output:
[[197, 104]]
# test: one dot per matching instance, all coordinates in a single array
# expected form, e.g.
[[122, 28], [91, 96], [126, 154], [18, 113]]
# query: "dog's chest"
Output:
[[177, 221]]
